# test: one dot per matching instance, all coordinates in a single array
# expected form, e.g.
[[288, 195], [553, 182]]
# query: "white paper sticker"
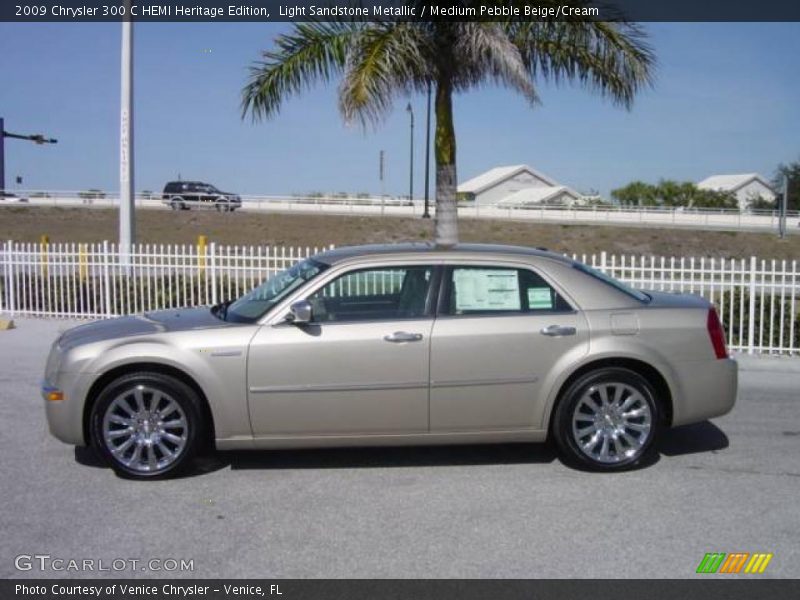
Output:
[[540, 298], [486, 289]]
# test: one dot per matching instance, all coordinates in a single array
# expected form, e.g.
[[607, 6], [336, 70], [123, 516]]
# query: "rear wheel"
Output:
[[177, 204], [147, 425], [607, 420]]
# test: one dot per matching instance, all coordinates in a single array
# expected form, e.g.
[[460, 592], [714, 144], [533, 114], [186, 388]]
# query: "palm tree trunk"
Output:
[[446, 231]]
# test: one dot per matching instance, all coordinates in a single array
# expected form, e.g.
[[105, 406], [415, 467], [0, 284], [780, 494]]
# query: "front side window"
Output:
[[500, 290], [257, 302], [377, 294]]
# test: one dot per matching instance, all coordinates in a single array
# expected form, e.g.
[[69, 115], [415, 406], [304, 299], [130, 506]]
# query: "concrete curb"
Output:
[[766, 362]]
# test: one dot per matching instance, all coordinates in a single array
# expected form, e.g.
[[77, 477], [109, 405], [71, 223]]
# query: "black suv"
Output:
[[182, 195]]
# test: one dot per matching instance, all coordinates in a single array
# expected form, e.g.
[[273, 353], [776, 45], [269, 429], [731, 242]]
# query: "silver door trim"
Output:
[[343, 387], [478, 382]]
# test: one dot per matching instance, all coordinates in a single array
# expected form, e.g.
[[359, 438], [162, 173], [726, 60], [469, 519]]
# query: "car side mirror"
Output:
[[299, 312]]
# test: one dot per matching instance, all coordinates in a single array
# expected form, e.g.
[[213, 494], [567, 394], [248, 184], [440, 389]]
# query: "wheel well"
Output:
[[117, 372], [650, 373]]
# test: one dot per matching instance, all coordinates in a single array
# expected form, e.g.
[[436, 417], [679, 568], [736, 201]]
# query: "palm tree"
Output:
[[380, 60]]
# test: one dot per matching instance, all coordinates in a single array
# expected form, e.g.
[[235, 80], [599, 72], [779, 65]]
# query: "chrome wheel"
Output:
[[145, 429], [612, 422]]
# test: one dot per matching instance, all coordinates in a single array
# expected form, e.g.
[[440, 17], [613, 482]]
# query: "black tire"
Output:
[[158, 388], [620, 453], [178, 204]]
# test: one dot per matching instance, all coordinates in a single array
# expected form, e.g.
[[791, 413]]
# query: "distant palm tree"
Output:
[[379, 60]]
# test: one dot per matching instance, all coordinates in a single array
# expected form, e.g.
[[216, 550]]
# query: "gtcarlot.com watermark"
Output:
[[46, 562]]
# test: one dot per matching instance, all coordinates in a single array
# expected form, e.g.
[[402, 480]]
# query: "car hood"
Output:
[[161, 321]]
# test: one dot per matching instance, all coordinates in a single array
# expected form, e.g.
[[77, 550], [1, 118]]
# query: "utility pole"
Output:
[[381, 175], [784, 203], [411, 157], [426, 214], [36, 138], [127, 223]]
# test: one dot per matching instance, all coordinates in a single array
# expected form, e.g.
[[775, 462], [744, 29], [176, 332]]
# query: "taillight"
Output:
[[716, 333]]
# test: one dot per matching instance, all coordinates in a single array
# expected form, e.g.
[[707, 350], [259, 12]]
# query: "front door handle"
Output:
[[557, 330], [401, 336]]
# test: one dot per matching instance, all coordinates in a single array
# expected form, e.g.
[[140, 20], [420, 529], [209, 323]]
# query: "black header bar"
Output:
[[397, 10], [705, 588]]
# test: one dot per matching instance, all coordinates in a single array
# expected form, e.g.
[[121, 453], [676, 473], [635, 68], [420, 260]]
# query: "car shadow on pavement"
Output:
[[688, 439], [692, 439], [87, 457], [387, 457]]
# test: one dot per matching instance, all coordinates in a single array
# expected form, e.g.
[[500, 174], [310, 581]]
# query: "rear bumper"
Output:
[[707, 389]]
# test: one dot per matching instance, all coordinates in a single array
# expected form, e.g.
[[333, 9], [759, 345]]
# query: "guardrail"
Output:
[[756, 299], [392, 206]]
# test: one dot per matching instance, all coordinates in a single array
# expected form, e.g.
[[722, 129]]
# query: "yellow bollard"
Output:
[[83, 263], [202, 243], [45, 242]]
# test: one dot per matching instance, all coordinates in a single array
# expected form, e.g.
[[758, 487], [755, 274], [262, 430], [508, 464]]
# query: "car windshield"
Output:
[[257, 302], [616, 284]]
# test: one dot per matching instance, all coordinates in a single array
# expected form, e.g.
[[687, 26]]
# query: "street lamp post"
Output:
[[411, 158], [127, 230], [37, 138], [426, 214]]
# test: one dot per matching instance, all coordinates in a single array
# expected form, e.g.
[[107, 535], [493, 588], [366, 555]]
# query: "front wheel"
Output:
[[607, 420], [147, 425]]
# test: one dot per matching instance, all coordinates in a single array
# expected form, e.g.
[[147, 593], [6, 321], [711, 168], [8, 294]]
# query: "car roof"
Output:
[[423, 249]]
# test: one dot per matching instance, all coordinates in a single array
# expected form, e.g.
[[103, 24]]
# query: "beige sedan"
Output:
[[391, 345]]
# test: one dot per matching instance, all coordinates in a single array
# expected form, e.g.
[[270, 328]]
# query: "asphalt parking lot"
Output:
[[731, 485]]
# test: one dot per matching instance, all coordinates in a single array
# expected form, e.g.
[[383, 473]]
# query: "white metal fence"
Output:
[[756, 299], [726, 219]]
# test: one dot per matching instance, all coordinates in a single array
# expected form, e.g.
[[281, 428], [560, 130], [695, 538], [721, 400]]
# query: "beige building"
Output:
[[516, 185], [746, 187]]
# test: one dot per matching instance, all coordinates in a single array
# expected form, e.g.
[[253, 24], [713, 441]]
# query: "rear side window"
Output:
[[616, 284], [499, 290]]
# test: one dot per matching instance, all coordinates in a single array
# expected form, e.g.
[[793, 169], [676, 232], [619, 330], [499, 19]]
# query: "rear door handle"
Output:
[[401, 336], [557, 330]]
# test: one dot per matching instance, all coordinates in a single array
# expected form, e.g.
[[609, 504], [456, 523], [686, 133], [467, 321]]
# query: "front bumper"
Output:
[[65, 416]]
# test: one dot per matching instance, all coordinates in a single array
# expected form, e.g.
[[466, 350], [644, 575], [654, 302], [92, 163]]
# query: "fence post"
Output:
[[213, 268], [603, 261], [10, 292], [83, 262], [751, 325], [44, 242], [202, 243], [107, 280]]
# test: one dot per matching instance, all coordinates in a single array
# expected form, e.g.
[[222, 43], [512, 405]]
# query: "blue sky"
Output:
[[726, 100]]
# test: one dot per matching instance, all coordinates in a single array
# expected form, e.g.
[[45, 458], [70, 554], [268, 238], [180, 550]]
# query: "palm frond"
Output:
[[611, 58], [386, 59], [315, 51], [484, 51]]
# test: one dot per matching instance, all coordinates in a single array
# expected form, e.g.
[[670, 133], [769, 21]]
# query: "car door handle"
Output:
[[557, 330], [401, 336]]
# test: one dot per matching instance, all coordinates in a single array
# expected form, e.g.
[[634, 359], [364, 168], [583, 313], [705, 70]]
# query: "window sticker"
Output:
[[486, 289], [540, 298]]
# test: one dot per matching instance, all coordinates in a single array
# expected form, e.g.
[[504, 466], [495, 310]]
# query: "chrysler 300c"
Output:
[[397, 344]]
